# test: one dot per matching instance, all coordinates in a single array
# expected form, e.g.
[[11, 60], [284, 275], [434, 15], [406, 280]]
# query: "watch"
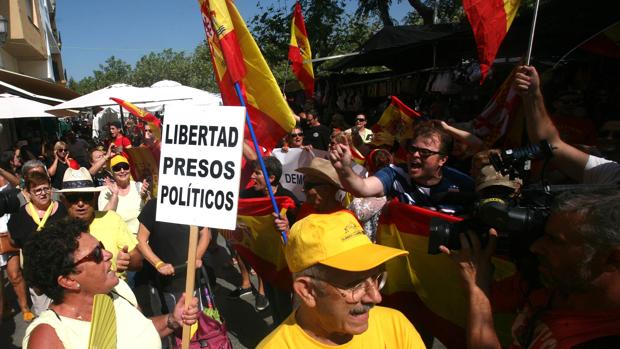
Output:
[[171, 324]]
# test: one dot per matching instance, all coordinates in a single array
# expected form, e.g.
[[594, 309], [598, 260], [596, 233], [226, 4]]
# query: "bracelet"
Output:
[[171, 324], [159, 264]]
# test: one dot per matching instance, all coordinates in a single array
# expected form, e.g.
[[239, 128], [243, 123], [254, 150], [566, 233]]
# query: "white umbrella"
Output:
[[174, 90], [170, 91], [15, 107]]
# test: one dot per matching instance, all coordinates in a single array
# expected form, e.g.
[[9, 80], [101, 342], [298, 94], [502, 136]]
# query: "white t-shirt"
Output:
[[601, 171]]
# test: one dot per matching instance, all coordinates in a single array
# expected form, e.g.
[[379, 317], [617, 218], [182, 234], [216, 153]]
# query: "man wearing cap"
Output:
[[337, 275], [79, 197]]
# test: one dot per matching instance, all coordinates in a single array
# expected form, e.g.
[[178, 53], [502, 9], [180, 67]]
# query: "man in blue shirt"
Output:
[[424, 180]]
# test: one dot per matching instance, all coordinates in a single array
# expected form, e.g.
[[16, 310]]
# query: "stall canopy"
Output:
[[15, 107], [562, 26]]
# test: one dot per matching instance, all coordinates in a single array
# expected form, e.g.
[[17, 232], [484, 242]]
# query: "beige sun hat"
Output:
[[78, 181], [323, 170]]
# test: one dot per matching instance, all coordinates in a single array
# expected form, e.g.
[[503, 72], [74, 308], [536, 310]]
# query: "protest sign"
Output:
[[200, 165]]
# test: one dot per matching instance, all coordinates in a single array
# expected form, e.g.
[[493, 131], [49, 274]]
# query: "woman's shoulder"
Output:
[[42, 332]]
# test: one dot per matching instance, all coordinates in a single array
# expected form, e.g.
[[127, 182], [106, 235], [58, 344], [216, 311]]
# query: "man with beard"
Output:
[[579, 263], [423, 181], [338, 290]]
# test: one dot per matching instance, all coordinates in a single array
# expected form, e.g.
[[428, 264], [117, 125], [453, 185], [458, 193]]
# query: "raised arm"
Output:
[[340, 156], [567, 158]]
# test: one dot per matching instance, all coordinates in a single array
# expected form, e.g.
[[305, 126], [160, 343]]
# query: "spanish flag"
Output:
[[143, 115], [258, 242], [428, 288], [237, 59], [490, 21], [395, 124], [299, 52]]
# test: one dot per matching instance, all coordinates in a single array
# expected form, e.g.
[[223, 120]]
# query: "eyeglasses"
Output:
[[96, 255], [41, 191], [120, 166], [76, 197], [424, 153], [62, 150], [360, 120], [299, 134], [354, 293]]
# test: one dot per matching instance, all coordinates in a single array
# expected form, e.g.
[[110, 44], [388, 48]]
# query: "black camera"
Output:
[[518, 216], [9, 202]]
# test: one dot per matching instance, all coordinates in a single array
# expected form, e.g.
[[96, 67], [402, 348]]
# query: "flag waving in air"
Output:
[[299, 52], [237, 59], [395, 124], [143, 115], [490, 21]]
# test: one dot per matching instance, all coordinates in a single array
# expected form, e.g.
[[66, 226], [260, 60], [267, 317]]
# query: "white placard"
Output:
[[199, 170]]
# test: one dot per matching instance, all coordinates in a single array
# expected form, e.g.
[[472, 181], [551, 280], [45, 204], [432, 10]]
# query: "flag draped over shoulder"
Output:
[[258, 242], [395, 124], [490, 21], [143, 115], [428, 288], [299, 52], [237, 59], [500, 116]]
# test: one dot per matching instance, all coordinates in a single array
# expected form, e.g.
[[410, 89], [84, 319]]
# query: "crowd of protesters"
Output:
[[337, 268]]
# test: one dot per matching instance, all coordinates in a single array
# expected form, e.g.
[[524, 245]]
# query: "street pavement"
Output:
[[246, 326]]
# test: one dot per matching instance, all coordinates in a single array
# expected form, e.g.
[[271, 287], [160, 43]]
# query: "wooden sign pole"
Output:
[[190, 281]]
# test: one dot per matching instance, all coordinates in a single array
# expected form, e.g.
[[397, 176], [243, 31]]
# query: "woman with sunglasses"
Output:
[[30, 218], [60, 164], [124, 195], [71, 267]]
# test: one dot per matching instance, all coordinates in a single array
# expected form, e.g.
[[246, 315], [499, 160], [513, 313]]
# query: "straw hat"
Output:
[[78, 181], [322, 170]]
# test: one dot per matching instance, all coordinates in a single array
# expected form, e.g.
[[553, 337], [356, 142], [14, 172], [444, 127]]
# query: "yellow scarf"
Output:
[[35, 215]]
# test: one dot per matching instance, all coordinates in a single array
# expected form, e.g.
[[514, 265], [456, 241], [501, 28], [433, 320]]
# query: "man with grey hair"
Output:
[[337, 275], [579, 264]]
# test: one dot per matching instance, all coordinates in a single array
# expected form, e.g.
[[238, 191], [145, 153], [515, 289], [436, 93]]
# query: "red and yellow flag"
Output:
[[299, 52], [500, 117], [258, 242], [427, 288], [490, 21], [395, 124], [143, 115], [237, 59]]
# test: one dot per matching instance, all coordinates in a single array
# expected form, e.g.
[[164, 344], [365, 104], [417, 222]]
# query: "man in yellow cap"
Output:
[[337, 275]]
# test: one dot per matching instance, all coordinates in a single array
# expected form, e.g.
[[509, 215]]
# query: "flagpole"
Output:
[[260, 159], [285, 75], [531, 41]]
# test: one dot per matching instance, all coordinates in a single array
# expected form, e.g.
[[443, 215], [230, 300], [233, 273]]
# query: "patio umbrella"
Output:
[[15, 107]]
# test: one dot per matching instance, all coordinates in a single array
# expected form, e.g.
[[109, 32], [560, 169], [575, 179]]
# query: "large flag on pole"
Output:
[[427, 288], [258, 242], [299, 52], [237, 59], [490, 21]]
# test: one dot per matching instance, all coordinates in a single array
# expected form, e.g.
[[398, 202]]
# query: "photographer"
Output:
[[576, 164], [579, 263]]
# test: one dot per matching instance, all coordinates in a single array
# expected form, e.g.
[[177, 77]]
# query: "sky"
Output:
[[92, 31]]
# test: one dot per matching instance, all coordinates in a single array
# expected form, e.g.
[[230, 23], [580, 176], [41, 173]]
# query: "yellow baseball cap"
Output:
[[336, 240], [117, 159]]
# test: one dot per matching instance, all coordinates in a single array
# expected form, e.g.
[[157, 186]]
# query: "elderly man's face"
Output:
[[80, 205], [340, 310], [424, 160], [566, 264]]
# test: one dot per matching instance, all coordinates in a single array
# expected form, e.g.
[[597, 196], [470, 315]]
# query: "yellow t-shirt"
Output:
[[109, 228], [387, 328]]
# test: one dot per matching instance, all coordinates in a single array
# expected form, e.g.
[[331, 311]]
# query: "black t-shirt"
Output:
[[317, 136], [60, 172], [290, 214], [21, 225], [169, 242]]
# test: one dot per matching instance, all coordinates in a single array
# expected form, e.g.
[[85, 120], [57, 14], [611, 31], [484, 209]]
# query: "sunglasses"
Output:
[[121, 166], [360, 120], [424, 153], [62, 150], [299, 134], [310, 185], [96, 255], [76, 197], [147, 130]]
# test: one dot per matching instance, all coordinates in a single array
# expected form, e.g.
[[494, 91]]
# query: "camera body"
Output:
[[517, 215]]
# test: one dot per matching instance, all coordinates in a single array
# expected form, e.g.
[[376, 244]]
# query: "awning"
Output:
[[38, 87]]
